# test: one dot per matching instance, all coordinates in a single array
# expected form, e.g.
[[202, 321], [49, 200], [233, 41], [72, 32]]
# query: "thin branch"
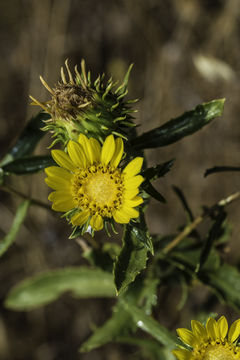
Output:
[[25, 197], [189, 228]]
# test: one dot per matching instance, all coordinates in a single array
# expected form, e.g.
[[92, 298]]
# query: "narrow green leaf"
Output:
[[44, 288], [184, 203], [217, 169], [157, 171], [28, 139], [215, 233], [118, 325], [132, 258], [151, 326], [150, 190], [225, 282], [18, 220], [28, 165], [176, 129]]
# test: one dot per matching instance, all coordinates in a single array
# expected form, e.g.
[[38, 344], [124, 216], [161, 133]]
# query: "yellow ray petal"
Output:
[[80, 218], [198, 329], [187, 336], [182, 354], [86, 145], [130, 193], [62, 201], [60, 195], [77, 154], [58, 172], [137, 200], [117, 156], [133, 182], [211, 327], [121, 217], [234, 331], [133, 168], [222, 327], [63, 160], [96, 222], [96, 149], [57, 183], [129, 211], [108, 150]]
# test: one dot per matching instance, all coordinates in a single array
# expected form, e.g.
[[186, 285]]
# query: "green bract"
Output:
[[79, 105]]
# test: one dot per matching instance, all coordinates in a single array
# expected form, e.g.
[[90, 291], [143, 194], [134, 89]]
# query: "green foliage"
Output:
[[157, 171], [28, 165], [151, 326], [225, 282], [217, 169], [44, 288], [28, 139], [176, 129], [21, 213], [118, 325], [133, 256]]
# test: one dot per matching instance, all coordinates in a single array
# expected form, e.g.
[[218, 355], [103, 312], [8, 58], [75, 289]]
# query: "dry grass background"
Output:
[[168, 40]]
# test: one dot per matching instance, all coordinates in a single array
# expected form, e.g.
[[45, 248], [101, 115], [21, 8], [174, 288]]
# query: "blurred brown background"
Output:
[[185, 52]]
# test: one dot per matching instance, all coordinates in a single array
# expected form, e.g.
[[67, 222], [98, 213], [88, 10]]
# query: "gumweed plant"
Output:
[[101, 184]]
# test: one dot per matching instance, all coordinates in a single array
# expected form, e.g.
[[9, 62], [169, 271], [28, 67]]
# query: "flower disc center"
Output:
[[218, 352], [98, 189], [101, 189]]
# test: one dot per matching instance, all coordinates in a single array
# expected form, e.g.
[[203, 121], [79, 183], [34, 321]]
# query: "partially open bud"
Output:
[[79, 106]]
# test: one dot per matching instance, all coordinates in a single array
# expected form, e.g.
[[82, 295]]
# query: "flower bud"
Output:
[[78, 106]]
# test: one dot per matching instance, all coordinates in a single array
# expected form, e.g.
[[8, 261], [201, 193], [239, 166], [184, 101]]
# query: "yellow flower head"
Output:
[[90, 186], [213, 342]]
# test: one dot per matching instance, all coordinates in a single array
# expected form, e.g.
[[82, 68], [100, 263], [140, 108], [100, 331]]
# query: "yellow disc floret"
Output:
[[213, 342], [90, 181]]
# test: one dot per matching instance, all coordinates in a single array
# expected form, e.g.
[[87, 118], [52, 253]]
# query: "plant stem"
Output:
[[189, 228], [12, 191]]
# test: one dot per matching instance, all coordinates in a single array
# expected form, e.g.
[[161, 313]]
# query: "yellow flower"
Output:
[[89, 184], [213, 342]]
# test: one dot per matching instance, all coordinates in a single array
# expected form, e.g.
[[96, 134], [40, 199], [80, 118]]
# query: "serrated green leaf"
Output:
[[132, 258], [18, 220], [28, 165], [151, 326], [176, 129], [28, 139], [225, 282], [157, 171], [118, 325], [217, 169], [46, 287]]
